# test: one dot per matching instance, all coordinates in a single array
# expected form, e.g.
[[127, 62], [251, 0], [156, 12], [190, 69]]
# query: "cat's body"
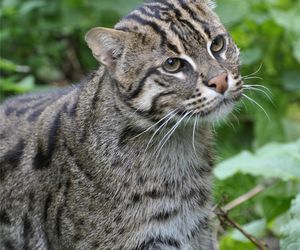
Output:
[[93, 166]]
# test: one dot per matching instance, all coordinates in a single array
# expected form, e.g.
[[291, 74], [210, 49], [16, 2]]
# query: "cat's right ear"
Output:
[[107, 45]]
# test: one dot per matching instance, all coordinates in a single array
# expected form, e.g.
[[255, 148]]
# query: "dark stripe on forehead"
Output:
[[150, 11], [192, 14], [161, 3], [155, 27], [175, 28], [198, 36]]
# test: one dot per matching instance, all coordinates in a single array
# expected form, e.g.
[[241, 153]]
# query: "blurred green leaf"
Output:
[[25, 85], [291, 231], [7, 65], [228, 242], [251, 56], [291, 80], [296, 46], [271, 161], [29, 6], [232, 11]]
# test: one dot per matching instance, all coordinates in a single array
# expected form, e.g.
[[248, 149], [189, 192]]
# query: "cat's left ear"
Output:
[[211, 3], [107, 45]]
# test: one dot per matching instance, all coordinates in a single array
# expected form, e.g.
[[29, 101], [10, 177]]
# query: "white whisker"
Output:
[[138, 108], [258, 86], [255, 71], [194, 129], [252, 77], [255, 102], [156, 131], [188, 119], [169, 134], [260, 90], [145, 131]]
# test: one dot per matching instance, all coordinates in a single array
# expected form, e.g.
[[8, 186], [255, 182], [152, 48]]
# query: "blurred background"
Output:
[[42, 47]]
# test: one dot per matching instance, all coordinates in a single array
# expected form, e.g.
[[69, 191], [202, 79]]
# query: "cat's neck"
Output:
[[109, 137]]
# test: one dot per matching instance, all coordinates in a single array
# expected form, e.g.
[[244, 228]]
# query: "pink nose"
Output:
[[219, 83]]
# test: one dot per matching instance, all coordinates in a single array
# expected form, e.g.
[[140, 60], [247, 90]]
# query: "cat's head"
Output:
[[171, 56]]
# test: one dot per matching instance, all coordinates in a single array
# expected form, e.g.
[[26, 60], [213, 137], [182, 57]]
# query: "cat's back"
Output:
[[19, 115], [20, 120]]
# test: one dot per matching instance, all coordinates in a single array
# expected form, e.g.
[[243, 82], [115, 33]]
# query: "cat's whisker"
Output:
[[194, 129], [260, 90], [138, 108], [235, 117], [229, 124], [255, 102], [160, 128], [188, 119], [258, 86], [255, 72], [252, 77], [145, 131], [197, 122], [169, 134]]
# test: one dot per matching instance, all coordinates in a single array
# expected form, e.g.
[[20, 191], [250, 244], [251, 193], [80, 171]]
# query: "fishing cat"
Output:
[[123, 160]]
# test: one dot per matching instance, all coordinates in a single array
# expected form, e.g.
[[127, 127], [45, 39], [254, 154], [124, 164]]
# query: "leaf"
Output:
[[232, 11], [296, 47], [288, 19], [291, 231], [271, 161], [227, 242], [278, 223], [291, 79], [256, 228], [29, 6], [25, 85], [9, 66]]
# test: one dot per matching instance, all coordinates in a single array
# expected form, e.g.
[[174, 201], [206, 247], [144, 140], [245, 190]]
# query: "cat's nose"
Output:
[[219, 83]]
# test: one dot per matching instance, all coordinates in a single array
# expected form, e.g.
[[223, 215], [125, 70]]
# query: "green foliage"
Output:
[[291, 230], [271, 161], [278, 163], [268, 34], [42, 42]]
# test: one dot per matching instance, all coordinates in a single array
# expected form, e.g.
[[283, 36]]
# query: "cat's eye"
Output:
[[218, 44], [173, 65]]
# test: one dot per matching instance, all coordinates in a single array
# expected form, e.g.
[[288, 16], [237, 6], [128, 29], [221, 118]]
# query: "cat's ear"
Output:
[[212, 4], [107, 45]]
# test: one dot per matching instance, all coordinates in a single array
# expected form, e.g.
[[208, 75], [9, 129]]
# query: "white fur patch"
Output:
[[189, 60], [149, 92], [179, 75], [209, 50]]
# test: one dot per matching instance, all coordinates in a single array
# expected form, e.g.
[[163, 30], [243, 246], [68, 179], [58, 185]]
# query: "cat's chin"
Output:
[[219, 112]]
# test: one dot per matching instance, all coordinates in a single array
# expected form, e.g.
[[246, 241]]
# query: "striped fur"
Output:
[[120, 160]]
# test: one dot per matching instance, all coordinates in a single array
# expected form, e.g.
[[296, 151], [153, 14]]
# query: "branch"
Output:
[[245, 197], [222, 212], [223, 216]]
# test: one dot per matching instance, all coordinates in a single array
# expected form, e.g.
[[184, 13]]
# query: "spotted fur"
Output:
[[122, 160]]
